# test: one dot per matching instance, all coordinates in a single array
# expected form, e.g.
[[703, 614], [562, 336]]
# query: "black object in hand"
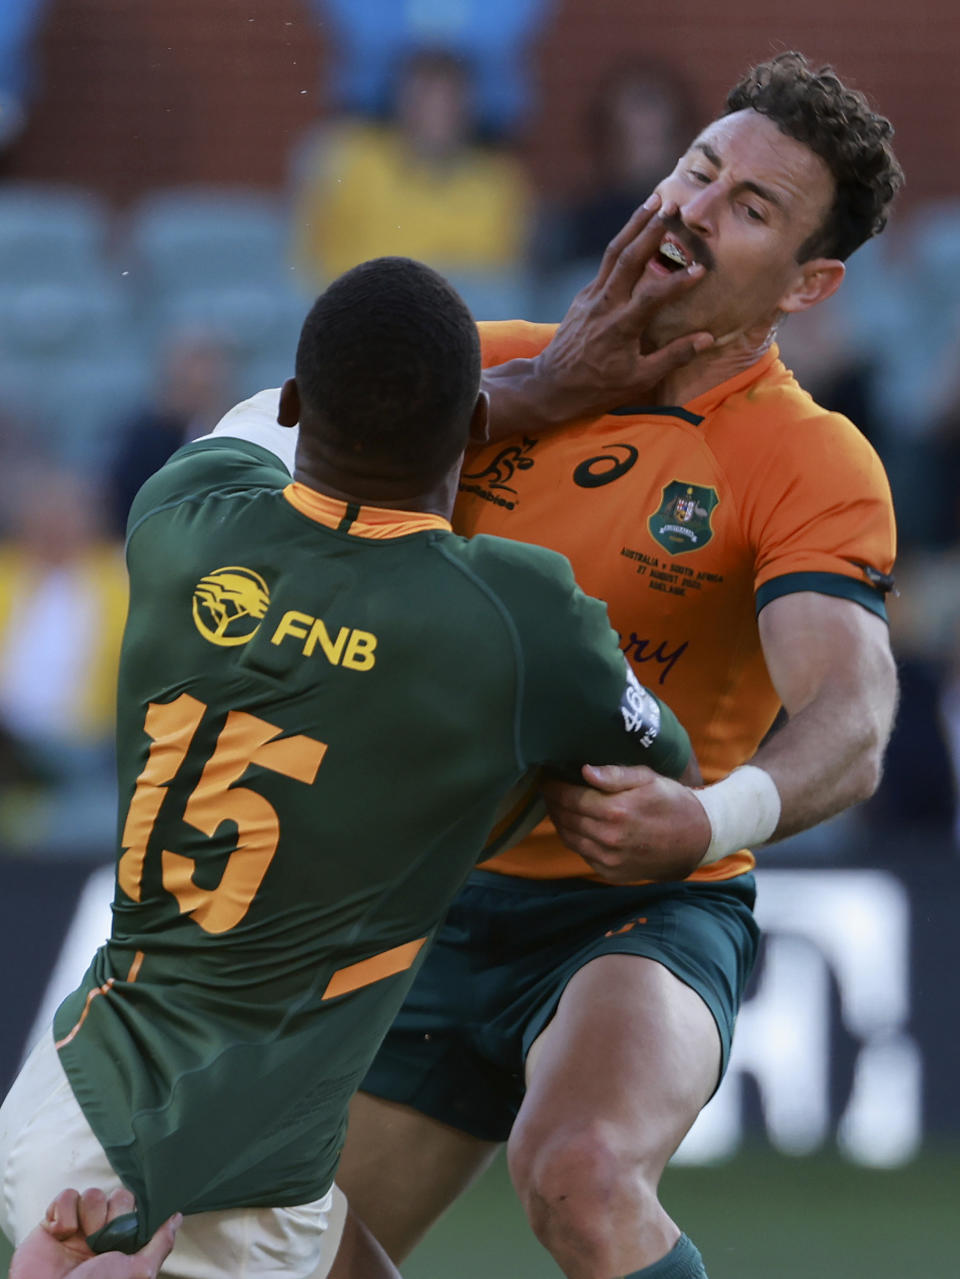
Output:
[[119, 1235]]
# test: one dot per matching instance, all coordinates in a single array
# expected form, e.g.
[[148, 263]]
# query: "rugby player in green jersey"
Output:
[[324, 695]]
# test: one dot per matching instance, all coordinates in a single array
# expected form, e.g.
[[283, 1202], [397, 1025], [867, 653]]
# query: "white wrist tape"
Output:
[[743, 809]]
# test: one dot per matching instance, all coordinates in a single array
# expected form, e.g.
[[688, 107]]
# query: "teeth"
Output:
[[673, 252]]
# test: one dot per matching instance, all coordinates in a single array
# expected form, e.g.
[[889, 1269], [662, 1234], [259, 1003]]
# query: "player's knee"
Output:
[[578, 1182]]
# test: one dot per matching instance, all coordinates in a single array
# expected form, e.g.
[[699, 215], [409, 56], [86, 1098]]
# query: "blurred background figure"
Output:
[[918, 805], [491, 37], [195, 386], [19, 23], [62, 605], [943, 441], [419, 185], [828, 358], [640, 119]]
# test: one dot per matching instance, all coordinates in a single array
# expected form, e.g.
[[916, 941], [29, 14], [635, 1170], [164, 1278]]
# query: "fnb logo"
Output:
[[229, 604], [353, 649]]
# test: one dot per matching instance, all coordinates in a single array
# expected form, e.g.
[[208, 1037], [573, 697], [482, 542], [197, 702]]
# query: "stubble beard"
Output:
[[675, 320]]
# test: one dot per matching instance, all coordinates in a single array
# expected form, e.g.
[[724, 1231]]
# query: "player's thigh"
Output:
[[401, 1169], [631, 1052], [359, 1256], [638, 1031]]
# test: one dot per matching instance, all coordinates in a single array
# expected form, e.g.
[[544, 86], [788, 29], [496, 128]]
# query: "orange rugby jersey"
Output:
[[687, 521]]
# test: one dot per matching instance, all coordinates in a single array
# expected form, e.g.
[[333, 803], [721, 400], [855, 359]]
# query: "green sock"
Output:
[[683, 1261]]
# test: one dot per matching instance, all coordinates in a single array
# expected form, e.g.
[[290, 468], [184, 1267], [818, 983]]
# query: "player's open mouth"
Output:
[[673, 256]]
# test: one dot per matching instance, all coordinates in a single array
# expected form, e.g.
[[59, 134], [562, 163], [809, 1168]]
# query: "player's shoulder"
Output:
[[215, 464], [533, 590], [772, 420], [515, 572], [487, 553], [502, 340]]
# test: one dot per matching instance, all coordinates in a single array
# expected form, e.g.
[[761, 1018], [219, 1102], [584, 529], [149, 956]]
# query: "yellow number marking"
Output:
[[244, 741], [170, 727]]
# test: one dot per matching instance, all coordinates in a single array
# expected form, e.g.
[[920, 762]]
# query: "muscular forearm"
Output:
[[827, 756], [830, 661]]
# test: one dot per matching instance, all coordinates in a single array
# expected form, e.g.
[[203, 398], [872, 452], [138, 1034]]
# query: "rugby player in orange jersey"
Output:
[[743, 538]]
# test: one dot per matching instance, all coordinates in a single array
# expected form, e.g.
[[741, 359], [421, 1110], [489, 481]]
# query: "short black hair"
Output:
[[389, 358], [839, 125]]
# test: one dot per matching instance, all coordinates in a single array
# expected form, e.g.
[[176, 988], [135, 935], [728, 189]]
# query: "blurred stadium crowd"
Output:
[[125, 331]]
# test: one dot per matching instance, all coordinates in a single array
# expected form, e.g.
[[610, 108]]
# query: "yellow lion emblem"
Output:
[[228, 605]]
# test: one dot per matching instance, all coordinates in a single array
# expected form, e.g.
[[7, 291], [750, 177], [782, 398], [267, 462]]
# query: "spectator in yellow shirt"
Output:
[[418, 186]]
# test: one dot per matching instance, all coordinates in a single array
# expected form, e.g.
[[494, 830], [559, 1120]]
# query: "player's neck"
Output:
[[724, 360]]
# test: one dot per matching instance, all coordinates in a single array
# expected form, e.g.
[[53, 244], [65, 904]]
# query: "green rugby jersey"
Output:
[[320, 707]]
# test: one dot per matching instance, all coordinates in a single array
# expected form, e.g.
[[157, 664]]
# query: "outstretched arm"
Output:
[[597, 359], [58, 1246], [831, 665]]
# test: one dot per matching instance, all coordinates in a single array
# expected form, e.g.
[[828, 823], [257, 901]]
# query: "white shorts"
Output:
[[46, 1145]]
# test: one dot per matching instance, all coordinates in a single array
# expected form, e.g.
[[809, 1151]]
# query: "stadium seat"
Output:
[[555, 291], [250, 316], [51, 233], [53, 316], [70, 408], [195, 237], [492, 295], [271, 368], [934, 234], [910, 315]]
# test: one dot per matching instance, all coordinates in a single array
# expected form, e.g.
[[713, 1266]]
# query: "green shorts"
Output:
[[497, 970]]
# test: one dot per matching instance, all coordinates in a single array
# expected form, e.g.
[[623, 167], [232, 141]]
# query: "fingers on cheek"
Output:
[[637, 254]]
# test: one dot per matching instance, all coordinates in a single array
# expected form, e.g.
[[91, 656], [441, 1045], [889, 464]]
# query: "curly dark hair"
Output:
[[836, 123]]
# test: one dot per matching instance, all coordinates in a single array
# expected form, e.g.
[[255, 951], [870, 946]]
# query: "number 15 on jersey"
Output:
[[244, 740]]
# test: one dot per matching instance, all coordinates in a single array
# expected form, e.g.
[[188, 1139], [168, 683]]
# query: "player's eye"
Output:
[[699, 176], [755, 214]]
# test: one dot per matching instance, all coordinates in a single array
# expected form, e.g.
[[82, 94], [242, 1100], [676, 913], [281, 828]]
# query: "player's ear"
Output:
[[816, 281], [480, 421], [289, 411]]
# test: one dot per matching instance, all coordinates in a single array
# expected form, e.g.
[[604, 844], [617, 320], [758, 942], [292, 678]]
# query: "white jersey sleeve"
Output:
[[255, 420]]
